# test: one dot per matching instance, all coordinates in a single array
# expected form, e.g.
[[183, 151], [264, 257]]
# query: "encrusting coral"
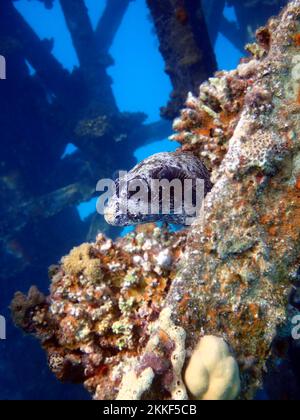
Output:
[[83, 261], [234, 275], [164, 356]]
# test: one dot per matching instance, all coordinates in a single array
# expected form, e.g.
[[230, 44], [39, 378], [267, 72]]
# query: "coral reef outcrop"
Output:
[[104, 300]]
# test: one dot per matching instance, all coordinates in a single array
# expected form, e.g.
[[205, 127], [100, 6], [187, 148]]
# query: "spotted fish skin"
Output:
[[170, 166]]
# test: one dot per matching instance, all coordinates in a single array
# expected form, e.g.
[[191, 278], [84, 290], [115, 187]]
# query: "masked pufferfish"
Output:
[[161, 166]]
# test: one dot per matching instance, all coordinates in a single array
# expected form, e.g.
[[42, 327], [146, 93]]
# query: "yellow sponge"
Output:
[[212, 372]]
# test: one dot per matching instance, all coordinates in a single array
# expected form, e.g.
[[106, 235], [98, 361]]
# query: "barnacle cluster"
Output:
[[95, 128]]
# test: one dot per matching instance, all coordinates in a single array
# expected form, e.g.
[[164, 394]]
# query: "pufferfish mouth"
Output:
[[114, 219], [110, 216]]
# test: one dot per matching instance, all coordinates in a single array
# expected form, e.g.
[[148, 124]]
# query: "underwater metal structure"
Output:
[[185, 47], [248, 19], [77, 107], [128, 318]]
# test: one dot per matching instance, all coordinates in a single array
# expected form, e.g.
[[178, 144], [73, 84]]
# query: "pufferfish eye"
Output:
[[136, 189], [131, 194]]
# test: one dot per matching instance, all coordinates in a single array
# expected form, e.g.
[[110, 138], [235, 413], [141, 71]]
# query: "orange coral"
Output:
[[182, 15], [297, 39], [298, 97]]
